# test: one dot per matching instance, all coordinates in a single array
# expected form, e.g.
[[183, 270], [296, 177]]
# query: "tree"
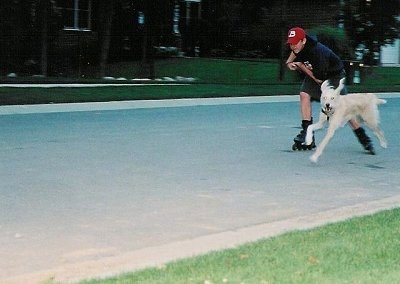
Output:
[[371, 24], [106, 16], [26, 30], [335, 38], [16, 32], [232, 25], [44, 11]]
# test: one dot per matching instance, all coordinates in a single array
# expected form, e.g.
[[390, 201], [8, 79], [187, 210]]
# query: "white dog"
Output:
[[340, 109]]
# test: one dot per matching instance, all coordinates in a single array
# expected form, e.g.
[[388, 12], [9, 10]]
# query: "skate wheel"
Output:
[[370, 149], [298, 147]]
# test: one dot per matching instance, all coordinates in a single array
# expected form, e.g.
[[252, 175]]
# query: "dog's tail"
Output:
[[380, 101]]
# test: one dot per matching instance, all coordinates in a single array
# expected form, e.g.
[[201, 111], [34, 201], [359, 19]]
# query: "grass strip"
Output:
[[12, 96], [214, 78], [359, 250], [21, 96]]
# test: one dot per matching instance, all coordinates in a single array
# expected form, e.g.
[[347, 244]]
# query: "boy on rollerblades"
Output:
[[319, 63]]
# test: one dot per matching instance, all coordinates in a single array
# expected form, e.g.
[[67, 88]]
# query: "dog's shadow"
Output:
[[369, 166]]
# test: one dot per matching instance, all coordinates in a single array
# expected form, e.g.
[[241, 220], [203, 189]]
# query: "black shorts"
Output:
[[311, 87]]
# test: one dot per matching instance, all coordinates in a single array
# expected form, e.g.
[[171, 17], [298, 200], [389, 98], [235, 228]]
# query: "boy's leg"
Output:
[[301, 137], [362, 137], [305, 106], [309, 91], [306, 115], [306, 119]]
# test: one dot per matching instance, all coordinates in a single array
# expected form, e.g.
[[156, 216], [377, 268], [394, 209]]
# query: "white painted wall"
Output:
[[390, 54]]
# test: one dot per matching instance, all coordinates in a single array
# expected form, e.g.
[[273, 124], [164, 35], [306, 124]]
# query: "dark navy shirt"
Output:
[[324, 62]]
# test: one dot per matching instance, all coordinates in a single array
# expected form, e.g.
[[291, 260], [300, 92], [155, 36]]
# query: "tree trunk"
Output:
[[147, 68], [44, 11], [283, 55], [107, 12]]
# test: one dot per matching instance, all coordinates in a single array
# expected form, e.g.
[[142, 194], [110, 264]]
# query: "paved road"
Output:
[[90, 190]]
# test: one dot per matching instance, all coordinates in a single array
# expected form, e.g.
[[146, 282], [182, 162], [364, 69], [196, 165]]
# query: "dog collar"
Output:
[[327, 113]]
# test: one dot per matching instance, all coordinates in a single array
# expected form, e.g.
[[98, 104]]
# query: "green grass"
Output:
[[73, 95], [359, 250], [215, 78], [209, 70], [264, 72]]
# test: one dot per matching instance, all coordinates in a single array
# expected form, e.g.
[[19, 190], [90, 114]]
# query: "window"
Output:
[[76, 14]]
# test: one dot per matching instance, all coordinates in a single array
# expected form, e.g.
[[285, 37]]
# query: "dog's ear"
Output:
[[342, 82], [325, 85], [341, 85]]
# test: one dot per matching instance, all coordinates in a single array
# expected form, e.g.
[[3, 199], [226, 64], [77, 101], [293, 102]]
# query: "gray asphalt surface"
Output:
[[90, 190]]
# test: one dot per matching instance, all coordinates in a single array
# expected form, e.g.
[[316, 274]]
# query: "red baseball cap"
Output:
[[295, 35]]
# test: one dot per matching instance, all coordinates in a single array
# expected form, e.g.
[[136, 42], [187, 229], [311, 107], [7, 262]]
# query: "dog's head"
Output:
[[330, 96]]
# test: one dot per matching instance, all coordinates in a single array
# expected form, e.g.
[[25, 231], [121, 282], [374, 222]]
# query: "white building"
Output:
[[390, 54]]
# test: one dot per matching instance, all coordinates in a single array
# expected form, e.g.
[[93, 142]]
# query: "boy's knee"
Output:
[[305, 97]]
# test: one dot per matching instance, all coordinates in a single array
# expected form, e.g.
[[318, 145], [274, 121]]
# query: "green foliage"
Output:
[[20, 29], [336, 39], [371, 24]]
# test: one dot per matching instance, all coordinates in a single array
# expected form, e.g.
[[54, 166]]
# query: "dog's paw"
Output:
[[384, 145], [313, 158]]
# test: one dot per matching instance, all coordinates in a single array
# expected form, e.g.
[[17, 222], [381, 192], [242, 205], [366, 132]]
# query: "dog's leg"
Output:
[[316, 126], [320, 148], [379, 134], [371, 119]]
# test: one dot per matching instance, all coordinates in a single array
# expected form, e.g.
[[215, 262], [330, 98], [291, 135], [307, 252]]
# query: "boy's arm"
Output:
[[292, 65], [308, 72], [291, 57], [290, 61]]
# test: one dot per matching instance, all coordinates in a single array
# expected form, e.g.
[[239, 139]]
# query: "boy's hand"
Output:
[[293, 65], [319, 82], [308, 72]]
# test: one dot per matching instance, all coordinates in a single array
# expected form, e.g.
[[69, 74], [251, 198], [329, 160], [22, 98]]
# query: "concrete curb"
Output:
[[159, 255], [121, 105]]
